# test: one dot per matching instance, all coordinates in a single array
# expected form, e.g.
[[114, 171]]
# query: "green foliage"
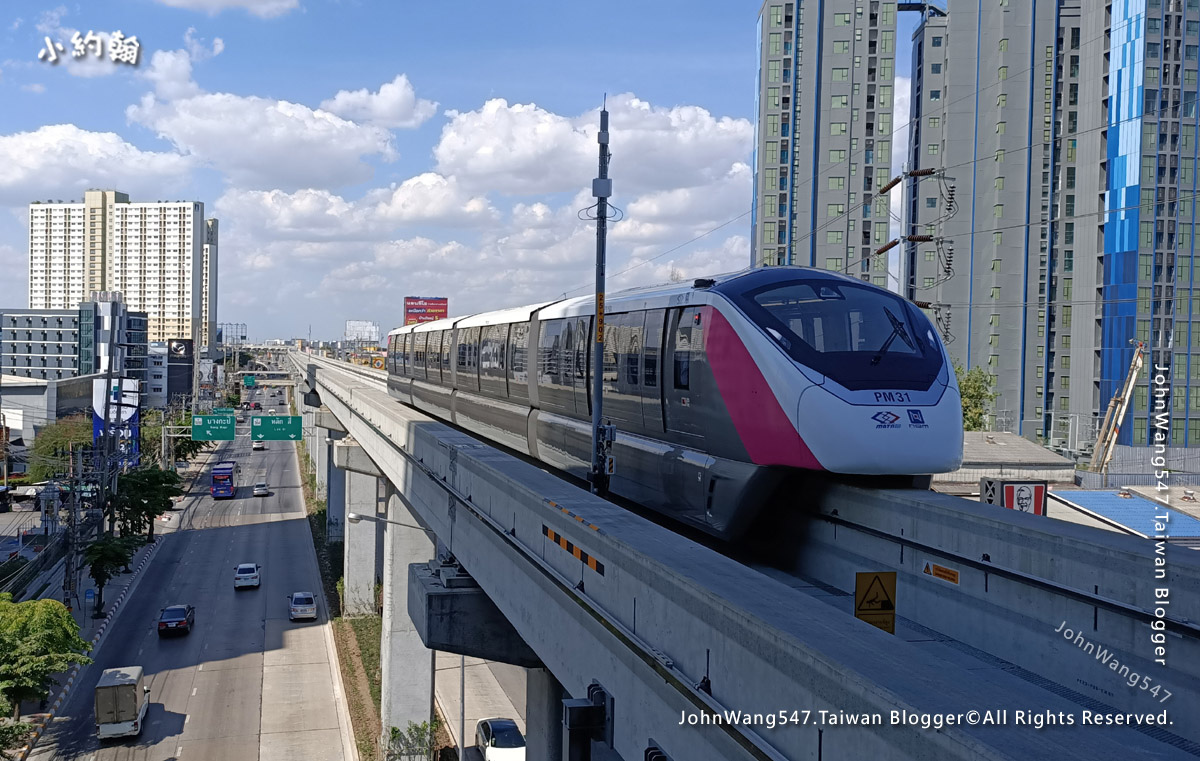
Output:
[[38, 639], [13, 734], [105, 558], [143, 495], [416, 743], [50, 446], [976, 389], [184, 448]]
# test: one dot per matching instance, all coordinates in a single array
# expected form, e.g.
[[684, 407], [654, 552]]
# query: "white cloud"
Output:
[[260, 8], [35, 87], [198, 49], [395, 105], [318, 215], [261, 142], [16, 24], [61, 161], [171, 73], [523, 148]]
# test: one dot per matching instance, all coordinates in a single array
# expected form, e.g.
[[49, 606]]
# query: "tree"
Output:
[[105, 558], [13, 733], [49, 457], [417, 743], [975, 387], [182, 448], [38, 639], [143, 495]]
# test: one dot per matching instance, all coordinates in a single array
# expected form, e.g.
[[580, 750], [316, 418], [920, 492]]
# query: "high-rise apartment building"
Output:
[[823, 135], [152, 253], [981, 112], [1067, 138]]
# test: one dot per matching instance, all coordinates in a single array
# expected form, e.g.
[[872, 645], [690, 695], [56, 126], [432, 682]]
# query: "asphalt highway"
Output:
[[246, 684]]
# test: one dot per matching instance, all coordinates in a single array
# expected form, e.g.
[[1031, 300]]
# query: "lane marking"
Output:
[[201, 668], [187, 718], [178, 750], [194, 691]]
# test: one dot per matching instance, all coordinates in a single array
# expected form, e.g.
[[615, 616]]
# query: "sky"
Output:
[[358, 151]]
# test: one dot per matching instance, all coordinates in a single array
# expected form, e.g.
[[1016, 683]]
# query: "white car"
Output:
[[499, 740], [246, 575], [261, 489], [302, 605], [258, 446]]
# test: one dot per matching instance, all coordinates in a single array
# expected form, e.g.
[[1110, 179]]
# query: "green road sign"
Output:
[[222, 410], [248, 381], [213, 427], [276, 427]]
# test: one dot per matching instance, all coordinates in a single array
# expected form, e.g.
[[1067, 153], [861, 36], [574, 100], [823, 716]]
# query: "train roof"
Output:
[[640, 297]]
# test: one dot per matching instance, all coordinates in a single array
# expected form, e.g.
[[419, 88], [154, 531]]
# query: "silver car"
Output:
[[246, 575], [302, 605], [261, 489]]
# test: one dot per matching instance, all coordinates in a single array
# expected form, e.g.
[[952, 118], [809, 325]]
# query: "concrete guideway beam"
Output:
[[1022, 580], [648, 614]]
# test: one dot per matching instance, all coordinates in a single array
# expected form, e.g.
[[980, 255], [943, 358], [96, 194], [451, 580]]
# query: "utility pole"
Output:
[[4, 447], [106, 445], [72, 537], [602, 435]]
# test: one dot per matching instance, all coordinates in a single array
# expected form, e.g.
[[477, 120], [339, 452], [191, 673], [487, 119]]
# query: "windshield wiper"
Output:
[[897, 330]]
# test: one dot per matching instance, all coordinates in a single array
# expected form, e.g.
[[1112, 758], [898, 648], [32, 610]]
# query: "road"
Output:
[[246, 684]]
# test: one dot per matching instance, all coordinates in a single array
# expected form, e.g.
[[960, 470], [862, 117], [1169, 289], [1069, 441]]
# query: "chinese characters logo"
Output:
[[121, 49]]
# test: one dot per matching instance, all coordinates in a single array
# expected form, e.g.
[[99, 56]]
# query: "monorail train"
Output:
[[720, 389]]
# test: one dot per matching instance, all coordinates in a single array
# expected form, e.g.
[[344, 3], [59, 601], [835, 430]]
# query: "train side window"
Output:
[[583, 350], [633, 348], [446, 351], [419, 354], [653, 338], [548, 351], [405, 342], [683, 350], [433, 355], [518, 367]]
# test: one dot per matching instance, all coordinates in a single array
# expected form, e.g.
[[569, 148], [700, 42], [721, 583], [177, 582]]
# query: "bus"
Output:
[[225, 477]]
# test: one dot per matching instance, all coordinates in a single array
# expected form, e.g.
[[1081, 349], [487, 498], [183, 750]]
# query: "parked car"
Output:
[[499, 740], [302, 605], [261, 489], [176, 619], [246, 575]]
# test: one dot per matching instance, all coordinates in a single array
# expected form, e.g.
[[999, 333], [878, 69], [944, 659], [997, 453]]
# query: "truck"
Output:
[[225, 477], [122, 697]]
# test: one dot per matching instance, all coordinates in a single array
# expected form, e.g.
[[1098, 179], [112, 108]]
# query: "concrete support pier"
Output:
[[363, 551], [543, 716], [407, 690]]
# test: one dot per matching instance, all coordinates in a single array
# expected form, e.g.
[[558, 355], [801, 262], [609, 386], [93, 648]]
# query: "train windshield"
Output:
[[860, 336]]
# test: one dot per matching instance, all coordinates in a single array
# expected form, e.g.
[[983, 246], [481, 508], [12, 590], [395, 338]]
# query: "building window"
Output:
[[999, 183], [837, 155], [928, 282], [935, 122], [837, 128], [935, 94], [1003, 44], [833, 263], [775, 46], [835, 209], [776, 15], [773, 71], [995, 292], [998, 210], [930, 255], [773, 97], [841, 46], [1001, 128], [839, 101], [935, 68], [841, 75], [936, 42], [1002, 100], [841, 19], [1003, 73], [932, 149], [1000, 156], [930, 203], [837, 183]]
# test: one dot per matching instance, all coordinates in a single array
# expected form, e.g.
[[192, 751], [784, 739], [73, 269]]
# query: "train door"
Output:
[[681, 388], [652, 398], [582, 354]]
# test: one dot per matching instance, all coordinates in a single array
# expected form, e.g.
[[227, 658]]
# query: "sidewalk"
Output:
[[485, 698]]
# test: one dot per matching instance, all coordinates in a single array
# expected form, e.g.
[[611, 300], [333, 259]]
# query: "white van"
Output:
[[122, 697]]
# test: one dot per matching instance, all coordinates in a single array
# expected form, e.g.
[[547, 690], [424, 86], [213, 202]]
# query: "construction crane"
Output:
[[1106, 441]]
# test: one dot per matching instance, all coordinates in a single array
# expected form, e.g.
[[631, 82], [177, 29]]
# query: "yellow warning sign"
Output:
[[875, 599], [941, 572]]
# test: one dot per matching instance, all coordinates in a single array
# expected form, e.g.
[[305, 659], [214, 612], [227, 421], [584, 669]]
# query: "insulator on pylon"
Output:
[[920, 239]]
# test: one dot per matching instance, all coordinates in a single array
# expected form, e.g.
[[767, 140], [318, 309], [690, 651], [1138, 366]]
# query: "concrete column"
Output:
[[335, 499], [358, 572], [407, 691], [309, 436], [543, 716], [322, 463]]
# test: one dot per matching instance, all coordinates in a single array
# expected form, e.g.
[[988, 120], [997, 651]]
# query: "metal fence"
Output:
[[1089, 480]]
